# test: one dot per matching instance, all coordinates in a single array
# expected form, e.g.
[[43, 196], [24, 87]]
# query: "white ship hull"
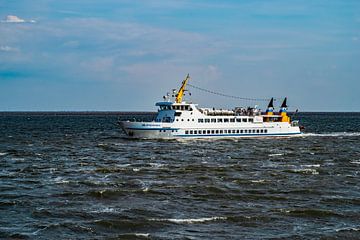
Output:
[[193, 130]]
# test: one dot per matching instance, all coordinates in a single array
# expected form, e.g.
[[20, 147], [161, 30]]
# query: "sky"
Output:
[[124, 55]]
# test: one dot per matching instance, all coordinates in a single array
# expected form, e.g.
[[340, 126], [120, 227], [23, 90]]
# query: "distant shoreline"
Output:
[[64, 113]]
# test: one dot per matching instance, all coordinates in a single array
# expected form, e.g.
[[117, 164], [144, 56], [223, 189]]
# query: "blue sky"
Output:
[[124, 55]]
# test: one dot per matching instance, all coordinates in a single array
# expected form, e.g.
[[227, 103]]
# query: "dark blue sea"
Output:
[[76, 176]]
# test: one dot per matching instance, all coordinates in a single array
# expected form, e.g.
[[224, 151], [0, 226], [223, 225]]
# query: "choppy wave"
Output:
[[188, 220], [79, 178]]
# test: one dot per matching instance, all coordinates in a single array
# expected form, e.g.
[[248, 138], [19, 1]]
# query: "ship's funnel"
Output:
[[283, 109], [283, 105], [270, 108], [271, 103]]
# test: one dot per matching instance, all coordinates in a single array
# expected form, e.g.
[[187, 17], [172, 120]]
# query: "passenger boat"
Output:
[[177, 118]]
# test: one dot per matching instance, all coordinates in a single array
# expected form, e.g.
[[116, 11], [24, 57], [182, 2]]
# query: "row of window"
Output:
[[225, 120], [221, 120], [172, 130], [229, 131], [176, 107]]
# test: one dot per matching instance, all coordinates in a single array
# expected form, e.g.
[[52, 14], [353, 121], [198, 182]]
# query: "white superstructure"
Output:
[[181, 119]]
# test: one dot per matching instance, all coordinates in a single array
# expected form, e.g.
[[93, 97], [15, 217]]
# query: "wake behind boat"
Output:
[[181, 119]]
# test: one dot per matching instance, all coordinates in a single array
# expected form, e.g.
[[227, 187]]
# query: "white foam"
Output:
[[355, 162], [2, 154], [311, 165], [331, 134], [187, 220], [306, 170], [348, 229], [275, 154], [257, 181], [142, 234]]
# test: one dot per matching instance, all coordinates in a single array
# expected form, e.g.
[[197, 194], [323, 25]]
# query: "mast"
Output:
[[181, 91]]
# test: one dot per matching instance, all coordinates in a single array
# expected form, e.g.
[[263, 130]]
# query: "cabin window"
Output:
[[177, 114], [208, 131], [265, 131], [188, 120], [226, 120], [193, 119], [225, 131], [229, 131], [232, 119], [221, 131], [245, 130], [261, 131], [233, 131], [253, 130], [207, 120], [238, 120], [212, 131], [182, 107], [217, 131], [191, 132], [177, 119], [195, 131], [213, 120], [251, 120], [241, 131], [257, 131], [200, 120], [245, 120], [219, 120]]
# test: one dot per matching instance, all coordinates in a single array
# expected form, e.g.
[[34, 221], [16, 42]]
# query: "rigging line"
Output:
[[229, 96]]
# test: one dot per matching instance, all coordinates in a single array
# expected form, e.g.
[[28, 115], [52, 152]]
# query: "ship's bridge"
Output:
[[168, 111]]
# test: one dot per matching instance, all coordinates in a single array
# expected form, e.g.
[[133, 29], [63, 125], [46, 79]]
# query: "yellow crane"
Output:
[[180, 93]]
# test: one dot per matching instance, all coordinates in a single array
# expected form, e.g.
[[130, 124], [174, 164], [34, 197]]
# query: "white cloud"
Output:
[[16, 19], [8, 49]]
